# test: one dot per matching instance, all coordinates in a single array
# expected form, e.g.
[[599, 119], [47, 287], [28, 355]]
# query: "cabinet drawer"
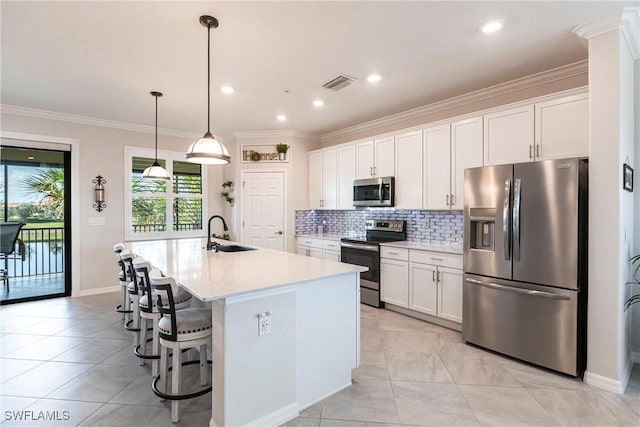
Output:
[[311, 242], [436, 258], [331, 245], [394, 253]]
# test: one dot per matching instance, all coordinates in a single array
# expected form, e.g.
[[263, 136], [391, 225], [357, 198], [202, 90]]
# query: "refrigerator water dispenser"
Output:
[[483, 224]]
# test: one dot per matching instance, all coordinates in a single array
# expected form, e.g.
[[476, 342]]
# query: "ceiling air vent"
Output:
[[339, 82]]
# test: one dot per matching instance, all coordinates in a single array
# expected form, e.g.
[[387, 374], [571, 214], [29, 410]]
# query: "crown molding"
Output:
[[93, 121], [628, 24], [275, 134], [533, 80]]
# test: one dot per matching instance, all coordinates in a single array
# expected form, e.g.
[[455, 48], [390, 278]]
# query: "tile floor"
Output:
[[72, 356]]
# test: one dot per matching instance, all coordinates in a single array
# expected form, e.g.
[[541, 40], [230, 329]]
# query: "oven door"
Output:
[[366, 256]]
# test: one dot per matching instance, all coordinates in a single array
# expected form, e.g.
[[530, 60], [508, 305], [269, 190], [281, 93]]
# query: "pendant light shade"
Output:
[[155, 171], [208, 150]]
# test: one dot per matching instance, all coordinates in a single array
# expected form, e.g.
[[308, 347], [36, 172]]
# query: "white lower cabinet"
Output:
[[318, 247], [394, 282], [433, 288]]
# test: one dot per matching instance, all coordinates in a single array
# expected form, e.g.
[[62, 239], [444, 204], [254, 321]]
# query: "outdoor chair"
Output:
[[9, 232]]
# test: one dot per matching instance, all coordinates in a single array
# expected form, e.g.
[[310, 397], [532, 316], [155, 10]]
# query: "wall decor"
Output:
[[627, 177], [99, 204], [263, 153]]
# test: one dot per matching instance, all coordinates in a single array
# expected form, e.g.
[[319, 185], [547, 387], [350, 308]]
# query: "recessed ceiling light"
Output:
[[30, 157], [492, 26], [226, 89], [318, 103], [374, 78], [281, 117]]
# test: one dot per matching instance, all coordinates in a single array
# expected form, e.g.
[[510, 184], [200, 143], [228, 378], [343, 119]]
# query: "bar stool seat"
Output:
[[179, 330]]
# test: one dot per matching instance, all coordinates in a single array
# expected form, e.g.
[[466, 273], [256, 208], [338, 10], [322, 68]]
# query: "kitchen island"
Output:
[[314, 338]]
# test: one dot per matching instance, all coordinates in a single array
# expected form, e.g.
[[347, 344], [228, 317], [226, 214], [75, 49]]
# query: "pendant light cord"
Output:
[[208, 78], [156, 97]]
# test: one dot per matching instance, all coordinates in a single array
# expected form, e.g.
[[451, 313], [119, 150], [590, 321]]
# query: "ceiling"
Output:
[[101, 59]]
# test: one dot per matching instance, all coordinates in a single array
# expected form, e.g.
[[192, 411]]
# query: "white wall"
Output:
[[296, 185], [635, 327], [102, 153]]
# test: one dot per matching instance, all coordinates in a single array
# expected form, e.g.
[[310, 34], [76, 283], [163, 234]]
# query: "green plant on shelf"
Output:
[[227, 187], [225, 236], [635, 280], [282, 148]]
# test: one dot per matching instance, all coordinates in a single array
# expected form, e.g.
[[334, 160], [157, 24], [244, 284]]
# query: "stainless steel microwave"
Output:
[[373, 192]]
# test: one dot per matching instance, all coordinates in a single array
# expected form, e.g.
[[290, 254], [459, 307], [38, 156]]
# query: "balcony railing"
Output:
[[44, 253], [150, 228]]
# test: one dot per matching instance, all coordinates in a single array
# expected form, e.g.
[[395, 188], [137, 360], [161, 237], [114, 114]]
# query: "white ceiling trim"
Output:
[[275, 134], [628, 24], [544, 77], [92, 121]]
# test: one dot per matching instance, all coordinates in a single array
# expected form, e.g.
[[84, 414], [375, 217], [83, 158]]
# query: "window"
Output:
[[161, 209]]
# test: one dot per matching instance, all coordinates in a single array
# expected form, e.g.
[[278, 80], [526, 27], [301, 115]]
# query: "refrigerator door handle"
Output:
[[516, 219], [505, 220], [529, 292]]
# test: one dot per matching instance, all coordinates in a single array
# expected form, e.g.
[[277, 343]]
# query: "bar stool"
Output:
[[133, 325], [179, 330], [123, 279], [149, 312]]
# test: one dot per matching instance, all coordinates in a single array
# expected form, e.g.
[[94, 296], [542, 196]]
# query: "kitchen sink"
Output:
[[234, 248]]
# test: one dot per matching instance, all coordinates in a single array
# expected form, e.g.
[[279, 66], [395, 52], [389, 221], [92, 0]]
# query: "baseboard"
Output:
[[608, 384], [98, 291], [427, 318], [275, 418], [306, 405]]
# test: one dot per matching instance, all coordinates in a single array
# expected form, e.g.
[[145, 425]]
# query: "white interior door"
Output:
[[263, 209]]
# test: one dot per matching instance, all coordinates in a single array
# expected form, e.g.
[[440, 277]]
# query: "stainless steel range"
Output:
[[365, 251]]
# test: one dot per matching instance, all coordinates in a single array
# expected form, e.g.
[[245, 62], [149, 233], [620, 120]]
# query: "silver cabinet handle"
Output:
[[392, 253], [371, 170], [436, 259], [516, 219], [447, 200], [433, 275], [375, 170], [529, 292], [438, 275], [538, 150], [505, 220], [530, 151], [453, 200]]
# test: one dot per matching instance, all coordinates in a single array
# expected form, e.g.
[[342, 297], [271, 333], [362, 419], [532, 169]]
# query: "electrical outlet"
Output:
[[264, 323]]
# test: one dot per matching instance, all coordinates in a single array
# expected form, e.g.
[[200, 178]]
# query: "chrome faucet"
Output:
[[210, 244]]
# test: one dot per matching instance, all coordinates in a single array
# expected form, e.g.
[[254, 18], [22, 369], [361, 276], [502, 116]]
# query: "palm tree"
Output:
[[48, 185]]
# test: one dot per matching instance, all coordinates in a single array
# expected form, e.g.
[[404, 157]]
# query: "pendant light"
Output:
[[155, 171], [208, 150]]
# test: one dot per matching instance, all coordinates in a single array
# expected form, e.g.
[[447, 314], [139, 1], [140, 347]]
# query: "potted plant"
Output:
[[282, 151], [226, 189], [635, 280]]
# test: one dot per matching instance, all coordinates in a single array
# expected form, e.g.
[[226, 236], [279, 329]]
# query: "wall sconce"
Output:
[[99, 205]]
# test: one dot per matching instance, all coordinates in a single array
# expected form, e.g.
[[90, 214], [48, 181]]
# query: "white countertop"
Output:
[[451, 248], [209, 275], [327, 236]]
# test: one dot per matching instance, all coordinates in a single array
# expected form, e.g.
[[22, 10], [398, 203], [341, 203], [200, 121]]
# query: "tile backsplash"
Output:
[[422, 226]]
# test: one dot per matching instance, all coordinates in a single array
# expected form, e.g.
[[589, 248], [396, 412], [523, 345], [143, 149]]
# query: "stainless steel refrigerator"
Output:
[[525, 261]]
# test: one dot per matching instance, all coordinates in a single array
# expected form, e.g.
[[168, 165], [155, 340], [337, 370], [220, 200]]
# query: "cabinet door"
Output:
[[301, 250], [423, 288], [315, 253], [329, 179], [331, 255], [508, 136], [346, 175], [408, 181], [384, 163], [394, 282], [450, 294], [562, 128], [315, 180], [437, 167], [364, 160], [466, 152]]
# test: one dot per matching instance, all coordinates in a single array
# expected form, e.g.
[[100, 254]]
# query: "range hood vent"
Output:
[[339, 82]]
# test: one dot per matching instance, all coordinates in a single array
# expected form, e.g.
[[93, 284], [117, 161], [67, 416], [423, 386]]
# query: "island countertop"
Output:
[[211, 275]]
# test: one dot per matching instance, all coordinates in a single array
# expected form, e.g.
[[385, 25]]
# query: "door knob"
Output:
[[278, 232]]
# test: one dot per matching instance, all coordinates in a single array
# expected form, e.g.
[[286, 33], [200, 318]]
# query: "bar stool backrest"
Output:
[[127, 256], [142, 268], [117, 249], [164, 287]]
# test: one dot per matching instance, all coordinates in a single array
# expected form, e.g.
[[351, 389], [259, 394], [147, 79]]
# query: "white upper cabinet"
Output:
[[346, 158], [437, 167], [466, 152], [329, 179], [508, 136], [562, 127], [315, 180], [375, 158], [408, 156]]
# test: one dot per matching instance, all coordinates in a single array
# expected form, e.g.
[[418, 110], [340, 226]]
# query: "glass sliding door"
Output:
[[35, 192]]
